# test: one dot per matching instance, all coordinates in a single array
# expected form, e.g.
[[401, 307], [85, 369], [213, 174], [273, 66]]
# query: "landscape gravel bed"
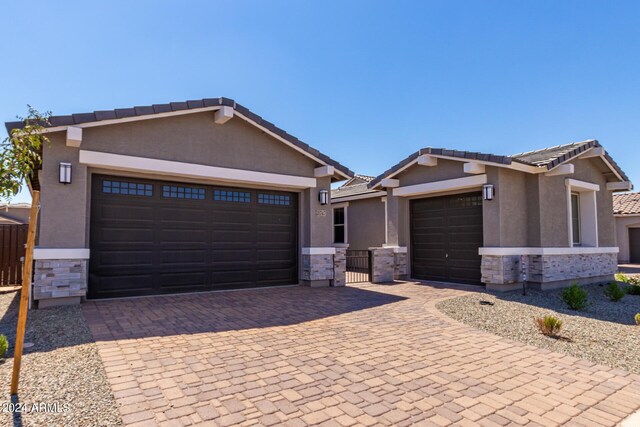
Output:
[[62, 366], [605, 332]]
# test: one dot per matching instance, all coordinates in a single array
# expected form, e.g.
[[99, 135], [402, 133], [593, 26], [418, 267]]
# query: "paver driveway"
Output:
[[365, 355]]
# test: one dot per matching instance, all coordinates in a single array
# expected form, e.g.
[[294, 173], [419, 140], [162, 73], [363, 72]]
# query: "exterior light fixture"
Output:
[[65, 173], [488, 191], [323, 197]]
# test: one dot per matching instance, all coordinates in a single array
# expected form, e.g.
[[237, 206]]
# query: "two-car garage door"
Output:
[[153, 237]]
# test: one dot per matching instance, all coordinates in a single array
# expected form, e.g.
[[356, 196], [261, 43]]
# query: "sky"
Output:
[[365, 82]]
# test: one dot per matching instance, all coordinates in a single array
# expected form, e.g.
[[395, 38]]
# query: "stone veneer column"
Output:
[[400, 270], [382, 265], [59, 281], [318, 266], [340, 267]]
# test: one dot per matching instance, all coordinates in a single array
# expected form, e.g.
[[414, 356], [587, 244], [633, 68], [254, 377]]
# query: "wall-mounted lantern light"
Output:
[[65, 173], [488, 191], [323, 197]]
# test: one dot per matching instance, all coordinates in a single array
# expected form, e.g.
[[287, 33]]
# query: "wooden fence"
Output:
[[12, 240]]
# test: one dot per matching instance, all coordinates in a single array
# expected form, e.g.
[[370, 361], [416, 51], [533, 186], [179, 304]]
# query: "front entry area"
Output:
[[154, 237], [446, 233]]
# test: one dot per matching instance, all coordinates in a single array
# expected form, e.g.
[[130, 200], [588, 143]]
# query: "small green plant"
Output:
[[637, 317], [614, 292], [549, 326], [620, 277], [575, 297], [633, 289], [4, 345]]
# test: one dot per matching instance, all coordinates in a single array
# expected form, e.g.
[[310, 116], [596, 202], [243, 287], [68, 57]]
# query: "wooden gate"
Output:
[[12, 240]]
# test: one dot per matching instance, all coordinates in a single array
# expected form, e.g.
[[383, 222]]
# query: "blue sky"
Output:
[[366, 82]]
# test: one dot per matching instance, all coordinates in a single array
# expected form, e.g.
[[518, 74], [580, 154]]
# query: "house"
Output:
[[180, 197], [474, 218], [15, 213], [626, 209], [358, 214]]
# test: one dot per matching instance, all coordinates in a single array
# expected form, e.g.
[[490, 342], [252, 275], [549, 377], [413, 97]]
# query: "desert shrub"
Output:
[[620, 277], [614, 292], [575, 297], [4, 345], [633, 289], [637, 317], [549, 325]]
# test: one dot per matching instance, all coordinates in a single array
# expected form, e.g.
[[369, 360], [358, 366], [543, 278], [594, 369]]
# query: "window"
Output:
[[128, 188], [339, 235], [575, 218], [182, 192], [231, 196], [582, 213], [274, 199]]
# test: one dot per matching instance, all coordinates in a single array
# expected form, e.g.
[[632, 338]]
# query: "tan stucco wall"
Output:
[[623, 224], [192, 138], [365, 223], [554, 228], [195, 138]]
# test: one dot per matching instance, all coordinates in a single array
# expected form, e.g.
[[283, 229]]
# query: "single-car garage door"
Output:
[[152, 237], [446, 233], [634, 245]]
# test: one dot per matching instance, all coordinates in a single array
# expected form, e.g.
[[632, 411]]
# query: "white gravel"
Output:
[[605, 332], [62, 367]]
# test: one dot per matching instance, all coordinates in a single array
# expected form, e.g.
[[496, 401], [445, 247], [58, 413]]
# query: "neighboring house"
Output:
[[626, 209], [358, 214], [17, 213], [180, 197], [469, 217]]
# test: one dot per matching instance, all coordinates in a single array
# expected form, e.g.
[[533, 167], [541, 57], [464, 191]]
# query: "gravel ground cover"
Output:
[[604, 332], [62, 367]]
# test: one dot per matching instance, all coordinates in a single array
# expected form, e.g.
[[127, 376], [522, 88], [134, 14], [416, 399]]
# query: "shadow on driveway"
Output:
[[224, 311]]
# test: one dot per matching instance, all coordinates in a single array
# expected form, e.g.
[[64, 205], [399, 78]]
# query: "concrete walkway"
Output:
[[361, 355]]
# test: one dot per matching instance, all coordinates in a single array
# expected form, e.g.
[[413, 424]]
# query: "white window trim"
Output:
[[386, 218], [344, 206], [588, 212]]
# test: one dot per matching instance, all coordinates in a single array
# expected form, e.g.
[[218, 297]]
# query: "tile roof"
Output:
[[351, 190], [120, 113], [547, 157], [626, 203]]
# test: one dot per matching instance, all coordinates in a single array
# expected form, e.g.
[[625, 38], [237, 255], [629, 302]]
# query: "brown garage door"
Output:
[[446, 233], [634, 245], [152, 237]]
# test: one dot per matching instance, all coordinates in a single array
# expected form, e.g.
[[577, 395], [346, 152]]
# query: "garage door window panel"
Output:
[[127, 188]]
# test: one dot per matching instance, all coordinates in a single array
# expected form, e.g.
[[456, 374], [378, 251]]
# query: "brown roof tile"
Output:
[[626, 203], [546, 157]]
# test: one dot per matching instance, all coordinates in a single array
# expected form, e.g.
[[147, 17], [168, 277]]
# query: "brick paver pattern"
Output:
[[361, 355]]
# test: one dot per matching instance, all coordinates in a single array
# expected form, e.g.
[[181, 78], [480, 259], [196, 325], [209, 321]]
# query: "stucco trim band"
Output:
[[358, 197], [548, 251], [440, 186], [397, 249], [190, 170], [60, 253], [319, 251]]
